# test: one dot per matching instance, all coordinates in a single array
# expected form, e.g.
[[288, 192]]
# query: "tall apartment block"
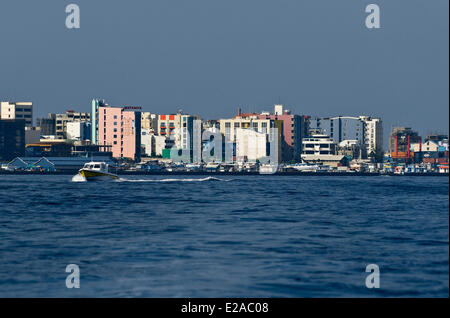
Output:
[[17, 110], [294, 130], [181, 128], [229, 128], [96, 103], [12, 138], [47, 125], [120, 127], [373, 136]]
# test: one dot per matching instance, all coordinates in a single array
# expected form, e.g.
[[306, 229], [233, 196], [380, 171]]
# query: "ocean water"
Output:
[[243, 236]]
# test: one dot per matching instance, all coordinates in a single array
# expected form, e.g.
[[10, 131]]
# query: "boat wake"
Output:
[[78, 178], [172, 180]]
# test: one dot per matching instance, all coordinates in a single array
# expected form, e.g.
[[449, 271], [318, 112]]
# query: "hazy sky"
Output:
[[208, 57]]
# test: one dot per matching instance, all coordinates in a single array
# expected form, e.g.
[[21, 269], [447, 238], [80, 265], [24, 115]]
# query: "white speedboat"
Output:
[[304, 167], [268, 169], [97, 170]]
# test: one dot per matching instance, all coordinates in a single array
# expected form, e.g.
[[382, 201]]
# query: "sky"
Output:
[[209, 57]]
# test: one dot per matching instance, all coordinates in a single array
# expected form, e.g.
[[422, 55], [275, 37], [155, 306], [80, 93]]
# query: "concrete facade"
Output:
[[120, 128], [17, 110]]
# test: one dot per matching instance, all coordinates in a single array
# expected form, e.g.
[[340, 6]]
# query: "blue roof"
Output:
[[64, 161]]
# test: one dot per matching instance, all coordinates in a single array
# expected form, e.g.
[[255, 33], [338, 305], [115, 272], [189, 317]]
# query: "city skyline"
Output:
[[327, 66]]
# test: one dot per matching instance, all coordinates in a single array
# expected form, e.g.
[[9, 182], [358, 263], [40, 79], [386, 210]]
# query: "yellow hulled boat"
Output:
[[96, 170]]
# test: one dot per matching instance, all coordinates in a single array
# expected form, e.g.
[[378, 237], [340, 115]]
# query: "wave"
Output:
[[78, 178], [173, 180]]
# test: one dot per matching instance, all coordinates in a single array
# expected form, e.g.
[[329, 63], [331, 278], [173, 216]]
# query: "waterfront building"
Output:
[[340, 128], [429, 145], [47, 125], [12, 138], [17, 110], [85, 148], [365, 131], [230, 127], [60, 164], [95, 104], [294, 130], [78, 130], [322, 149], [147, 144], [184, 130], [153, 145], [54, 148], [439, 138], [250, 145], [61, 121], [373, 137], [149, 121], [349, 148], [32, 135], [400, 141], [318, 145], [120, 128], [211, 123]]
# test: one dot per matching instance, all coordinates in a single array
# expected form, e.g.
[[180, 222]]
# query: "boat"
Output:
[[192, 167], [304, 167], [96, 170], [212, 167], [268, 168]]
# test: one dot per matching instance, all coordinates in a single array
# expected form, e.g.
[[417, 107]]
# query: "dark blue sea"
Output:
[[231, 236]]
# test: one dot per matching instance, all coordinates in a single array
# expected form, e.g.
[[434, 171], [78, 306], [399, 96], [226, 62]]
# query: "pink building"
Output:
[[294, 130], [120, 128]]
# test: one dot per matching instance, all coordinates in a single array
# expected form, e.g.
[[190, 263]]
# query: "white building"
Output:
[[17, 110], [373, 134], [181, 128], [429, 145], [77, 130], [152, 144], [149, 121], [61, 121], [317, 146], [250, 145], [321, 148]]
